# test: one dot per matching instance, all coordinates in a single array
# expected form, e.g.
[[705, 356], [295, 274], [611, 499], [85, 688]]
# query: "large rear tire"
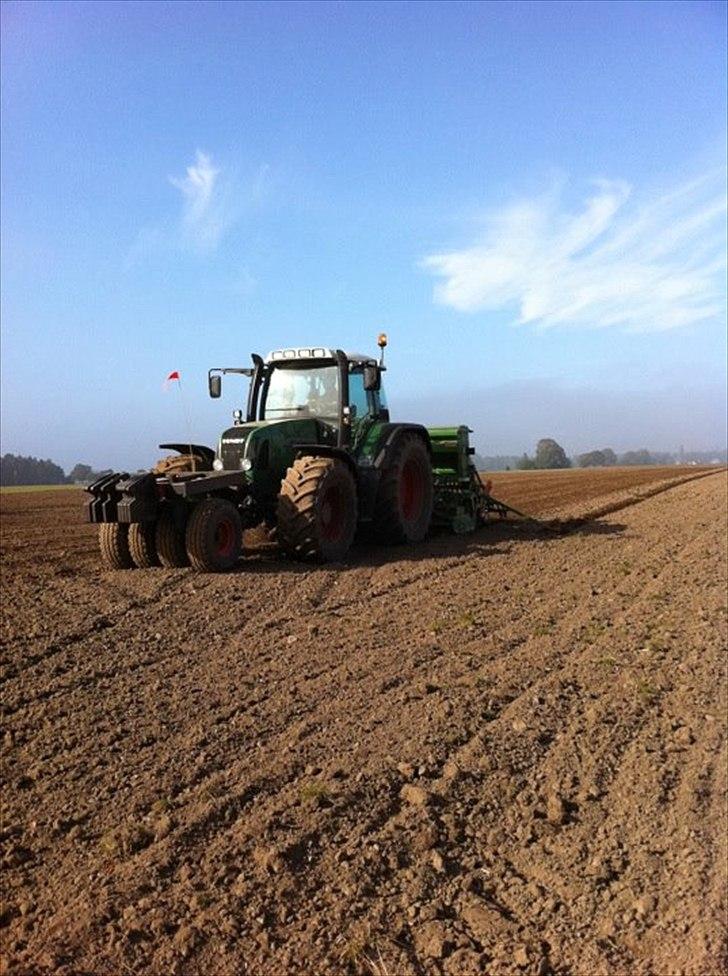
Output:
[[403, 509], [114, 545], [142, 545], [317, 509], [170, 539], [214, 536]]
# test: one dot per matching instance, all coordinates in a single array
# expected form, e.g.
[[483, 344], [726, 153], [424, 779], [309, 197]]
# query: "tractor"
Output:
[[314, 458]]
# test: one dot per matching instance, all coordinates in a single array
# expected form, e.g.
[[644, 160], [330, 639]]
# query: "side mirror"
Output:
[[372, 379], [214, 382]]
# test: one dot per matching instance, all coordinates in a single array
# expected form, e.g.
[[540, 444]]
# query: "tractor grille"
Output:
[[231, 452]]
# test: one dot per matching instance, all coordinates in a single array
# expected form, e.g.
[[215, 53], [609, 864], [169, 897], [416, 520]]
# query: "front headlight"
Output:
[[217, 464], [246, 464]]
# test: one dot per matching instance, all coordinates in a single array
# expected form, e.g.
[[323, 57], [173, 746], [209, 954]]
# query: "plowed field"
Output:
[[500, 753], [549, 492]]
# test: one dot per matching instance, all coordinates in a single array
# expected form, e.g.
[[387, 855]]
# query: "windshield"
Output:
[[302, 392]]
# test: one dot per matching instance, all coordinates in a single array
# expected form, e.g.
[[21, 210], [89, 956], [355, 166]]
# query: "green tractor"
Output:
[[313, 458]]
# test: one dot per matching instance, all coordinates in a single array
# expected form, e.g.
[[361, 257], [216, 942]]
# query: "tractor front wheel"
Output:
[[214, 536], [317, 509], [114, 545], [404, 501]]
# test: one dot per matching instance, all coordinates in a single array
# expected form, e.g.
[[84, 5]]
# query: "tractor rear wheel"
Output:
[[114, 545], [214, 536], [403, 510], [317, 509], [170, 539], [142, 544]]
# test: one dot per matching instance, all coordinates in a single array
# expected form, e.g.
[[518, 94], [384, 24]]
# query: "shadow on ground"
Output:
[[497, 538]]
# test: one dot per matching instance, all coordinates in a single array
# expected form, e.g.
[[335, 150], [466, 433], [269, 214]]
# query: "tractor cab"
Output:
[[300, 399], [337, 389]]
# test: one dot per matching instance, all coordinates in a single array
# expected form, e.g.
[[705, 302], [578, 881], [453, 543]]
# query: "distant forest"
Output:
[[18, 470], [603, 458]]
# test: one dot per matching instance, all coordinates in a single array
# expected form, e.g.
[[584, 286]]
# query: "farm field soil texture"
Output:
[[571, 491], [498, 753]]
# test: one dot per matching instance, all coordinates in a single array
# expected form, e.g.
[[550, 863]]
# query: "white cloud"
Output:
[[207, 214], [616, 261]]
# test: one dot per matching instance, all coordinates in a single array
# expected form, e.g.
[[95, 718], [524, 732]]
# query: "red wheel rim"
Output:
[[332, 515], [225, 537], [411, 490]]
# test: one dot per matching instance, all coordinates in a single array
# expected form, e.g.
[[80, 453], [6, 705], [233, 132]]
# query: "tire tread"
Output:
[[197, 535], [388, 526], [114, 545], [297, 532], [170, 541], [142, 545]]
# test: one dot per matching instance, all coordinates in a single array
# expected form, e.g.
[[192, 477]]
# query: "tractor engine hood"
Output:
[[267, 444]]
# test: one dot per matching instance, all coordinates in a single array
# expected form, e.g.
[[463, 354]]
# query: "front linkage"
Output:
[[171, 516]]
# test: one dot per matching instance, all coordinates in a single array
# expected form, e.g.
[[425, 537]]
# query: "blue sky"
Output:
[[529, 198]]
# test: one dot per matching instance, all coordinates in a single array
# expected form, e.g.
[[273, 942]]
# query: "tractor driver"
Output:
[[323, 393]]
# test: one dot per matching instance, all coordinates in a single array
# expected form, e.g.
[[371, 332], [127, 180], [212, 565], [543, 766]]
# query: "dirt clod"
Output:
[[555, 809], [416, 795]]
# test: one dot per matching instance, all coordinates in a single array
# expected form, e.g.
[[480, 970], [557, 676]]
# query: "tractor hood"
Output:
[[268, 445]]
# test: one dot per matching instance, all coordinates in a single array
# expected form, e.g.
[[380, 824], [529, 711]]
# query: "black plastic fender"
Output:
[[389, 437], [326, 450]]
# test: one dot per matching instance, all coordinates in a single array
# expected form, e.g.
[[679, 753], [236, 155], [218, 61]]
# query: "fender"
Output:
[[390, 435], [327, 450]]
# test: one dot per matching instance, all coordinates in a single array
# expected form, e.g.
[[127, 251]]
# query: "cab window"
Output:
[[358, 396]]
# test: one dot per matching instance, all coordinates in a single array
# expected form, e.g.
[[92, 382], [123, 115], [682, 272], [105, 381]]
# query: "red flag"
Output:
[[173, 376]]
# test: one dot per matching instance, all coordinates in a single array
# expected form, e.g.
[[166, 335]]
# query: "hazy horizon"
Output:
[[507, 419]]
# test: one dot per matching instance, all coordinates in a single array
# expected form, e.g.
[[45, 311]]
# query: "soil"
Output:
[[545, 493], [500, 753]]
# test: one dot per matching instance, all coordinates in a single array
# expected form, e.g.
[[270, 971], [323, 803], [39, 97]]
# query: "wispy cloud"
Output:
[[614, 261], [207, 213]]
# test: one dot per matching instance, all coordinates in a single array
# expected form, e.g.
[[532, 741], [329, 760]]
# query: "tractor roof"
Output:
[[314, 352]]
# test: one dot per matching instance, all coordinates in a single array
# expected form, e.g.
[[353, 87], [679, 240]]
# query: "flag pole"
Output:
[[188, 425], [174, 375]]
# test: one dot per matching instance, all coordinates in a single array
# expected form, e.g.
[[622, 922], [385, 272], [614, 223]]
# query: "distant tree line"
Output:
[[606, 458], [550, 454], [18, 470]]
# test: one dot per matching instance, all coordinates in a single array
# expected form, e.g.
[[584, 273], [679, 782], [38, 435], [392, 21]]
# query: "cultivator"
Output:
[[314, 456]]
